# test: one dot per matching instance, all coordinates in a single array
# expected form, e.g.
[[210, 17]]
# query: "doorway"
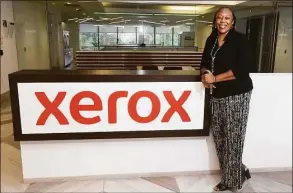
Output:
[[31, 34], [261, 33], [254, 34], [269, 43]]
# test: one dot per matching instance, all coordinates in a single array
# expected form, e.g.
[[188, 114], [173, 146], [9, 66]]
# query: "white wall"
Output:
[[283, 61], [9, 61], [32, 34], [268, 144], [203, 32]]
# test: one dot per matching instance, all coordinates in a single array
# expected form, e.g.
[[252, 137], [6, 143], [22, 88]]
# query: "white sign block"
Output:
[[110, 107]]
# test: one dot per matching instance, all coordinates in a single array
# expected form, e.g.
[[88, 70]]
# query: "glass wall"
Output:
[[127, 35], [147, 35], [107, 35], [93, 25], [88, 36], [97, 36], [164, 36]]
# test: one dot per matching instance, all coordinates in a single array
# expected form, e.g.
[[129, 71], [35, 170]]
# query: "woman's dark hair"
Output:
[[214, 30], [215, 16]]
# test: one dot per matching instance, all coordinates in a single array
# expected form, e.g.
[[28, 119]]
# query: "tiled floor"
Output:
[[11, 179]]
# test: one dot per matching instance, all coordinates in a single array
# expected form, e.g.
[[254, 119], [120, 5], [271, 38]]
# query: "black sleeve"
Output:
[[205, 55], [240, 69]]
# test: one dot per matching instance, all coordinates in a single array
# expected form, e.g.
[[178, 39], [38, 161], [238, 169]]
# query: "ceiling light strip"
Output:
[[85, 20], [72, 19], [120, 21], [202, 21], [116, 18], [151, 22], [183, 20]]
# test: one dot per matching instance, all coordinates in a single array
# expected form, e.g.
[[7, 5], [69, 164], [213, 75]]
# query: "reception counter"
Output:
[[67, 105], [137, 123]]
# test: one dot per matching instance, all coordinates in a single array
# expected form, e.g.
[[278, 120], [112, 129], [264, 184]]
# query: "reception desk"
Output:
[[60, 105], [137, 123]]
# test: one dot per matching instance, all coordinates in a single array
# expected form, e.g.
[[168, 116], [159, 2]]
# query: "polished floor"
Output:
[[11, 175]]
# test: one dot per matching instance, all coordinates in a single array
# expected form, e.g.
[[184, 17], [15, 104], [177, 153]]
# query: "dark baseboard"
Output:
[[5, 97]]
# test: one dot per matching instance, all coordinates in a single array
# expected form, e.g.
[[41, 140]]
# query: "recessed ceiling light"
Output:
[[116, 18], [120, 21], [201, 21], [183, 20], [84, 13], [77, 9], [68, 3], [72, 19], [103, 19], [85, 20], [146, 21]]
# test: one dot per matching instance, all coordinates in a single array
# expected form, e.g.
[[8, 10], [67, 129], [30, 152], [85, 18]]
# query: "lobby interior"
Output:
[[160, 35]]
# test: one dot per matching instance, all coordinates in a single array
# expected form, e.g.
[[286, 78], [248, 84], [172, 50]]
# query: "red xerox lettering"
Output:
[[75, 107], [132, 107], [112, 105], [176, 106], [51, 108]]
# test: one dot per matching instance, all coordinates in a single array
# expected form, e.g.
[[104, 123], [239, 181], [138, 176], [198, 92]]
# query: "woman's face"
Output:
[[224, 21]]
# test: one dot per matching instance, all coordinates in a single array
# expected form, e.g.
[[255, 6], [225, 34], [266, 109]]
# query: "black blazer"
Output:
[[234, 55]]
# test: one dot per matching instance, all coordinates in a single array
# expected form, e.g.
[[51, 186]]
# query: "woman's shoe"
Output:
[[220, 187], [247, 174]]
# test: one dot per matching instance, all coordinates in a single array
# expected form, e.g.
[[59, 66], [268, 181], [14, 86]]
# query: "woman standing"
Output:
[[225, 72]]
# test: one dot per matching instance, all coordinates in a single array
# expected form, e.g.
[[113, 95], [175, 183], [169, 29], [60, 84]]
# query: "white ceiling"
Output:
[[154, 11]]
